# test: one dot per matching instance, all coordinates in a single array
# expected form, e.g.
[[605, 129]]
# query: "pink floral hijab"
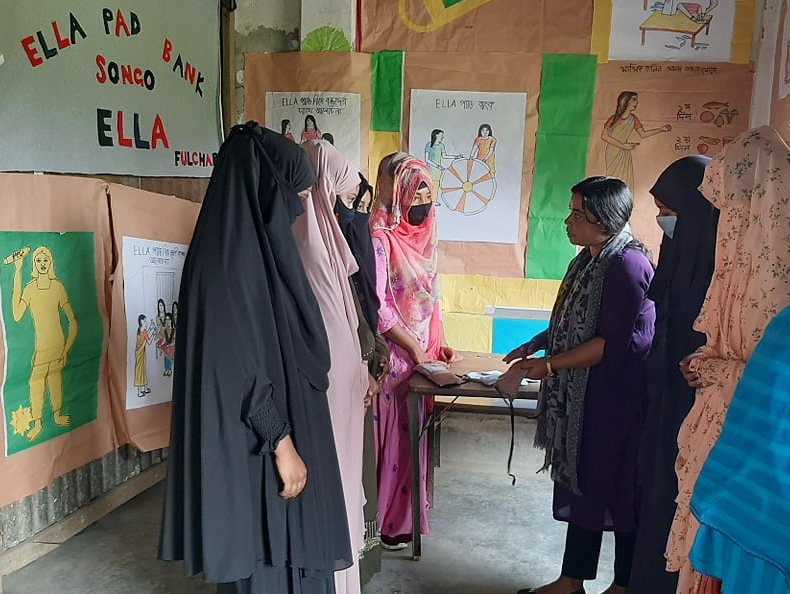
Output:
[[411, 250]]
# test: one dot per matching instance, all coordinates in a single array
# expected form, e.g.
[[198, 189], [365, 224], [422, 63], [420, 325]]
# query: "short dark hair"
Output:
[[608, 200]]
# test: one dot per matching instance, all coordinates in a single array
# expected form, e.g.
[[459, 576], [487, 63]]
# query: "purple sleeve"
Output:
[[624, 299], [388, 315]]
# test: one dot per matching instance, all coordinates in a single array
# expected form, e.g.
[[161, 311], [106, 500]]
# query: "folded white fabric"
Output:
[[489, 378]]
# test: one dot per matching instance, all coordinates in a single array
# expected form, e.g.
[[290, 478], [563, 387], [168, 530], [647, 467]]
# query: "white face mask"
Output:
[[667, 224]]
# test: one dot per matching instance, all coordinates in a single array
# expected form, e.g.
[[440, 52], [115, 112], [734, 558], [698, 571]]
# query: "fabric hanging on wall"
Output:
[[151, 234], [386, 87], [565, 114]]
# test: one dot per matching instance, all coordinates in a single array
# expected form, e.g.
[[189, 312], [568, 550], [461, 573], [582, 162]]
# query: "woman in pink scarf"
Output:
[[329, 263], [748, 183], [405, 243]]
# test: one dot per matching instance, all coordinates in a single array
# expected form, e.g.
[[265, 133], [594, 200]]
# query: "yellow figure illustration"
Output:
[[144, 338], [45, 297]]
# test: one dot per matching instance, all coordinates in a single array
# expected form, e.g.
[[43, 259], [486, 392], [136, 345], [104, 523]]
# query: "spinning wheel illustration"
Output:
[[467, 186]]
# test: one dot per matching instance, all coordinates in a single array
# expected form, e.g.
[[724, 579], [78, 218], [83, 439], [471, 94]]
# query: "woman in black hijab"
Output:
[[254, 499], [685, 266]]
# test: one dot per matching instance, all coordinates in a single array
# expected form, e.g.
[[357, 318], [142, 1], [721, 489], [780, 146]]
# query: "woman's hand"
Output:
[[691, 376], [535, 369], [522, 352], [373, 389], [419, 356], [290, 467], [448, 355], [384, 366], [509, 382]]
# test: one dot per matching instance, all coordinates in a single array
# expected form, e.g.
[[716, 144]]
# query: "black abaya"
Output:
[[685, 266], [251, 366]]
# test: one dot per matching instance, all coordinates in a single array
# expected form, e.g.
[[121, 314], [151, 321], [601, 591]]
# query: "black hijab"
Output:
[[685, 263], [251, 351], [356, 229], [685, 267]]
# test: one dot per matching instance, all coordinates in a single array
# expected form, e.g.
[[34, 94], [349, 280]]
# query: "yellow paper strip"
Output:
[[742, 31], [601, 29], [468, 332], [471, 294], [381, 145]]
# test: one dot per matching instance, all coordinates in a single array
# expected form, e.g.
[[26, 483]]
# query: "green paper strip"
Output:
[[567, 88], [386, 88]]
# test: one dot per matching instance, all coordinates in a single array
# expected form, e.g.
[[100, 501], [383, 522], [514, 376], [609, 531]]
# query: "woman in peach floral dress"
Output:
[[749, 182]]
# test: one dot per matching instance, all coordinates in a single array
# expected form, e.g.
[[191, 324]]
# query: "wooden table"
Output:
[[676, 23], [420, 386]]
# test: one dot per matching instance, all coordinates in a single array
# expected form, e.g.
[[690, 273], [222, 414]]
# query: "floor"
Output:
[[487, 536]]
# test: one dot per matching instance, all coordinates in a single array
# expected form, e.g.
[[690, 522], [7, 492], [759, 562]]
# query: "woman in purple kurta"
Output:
[[593, 392]]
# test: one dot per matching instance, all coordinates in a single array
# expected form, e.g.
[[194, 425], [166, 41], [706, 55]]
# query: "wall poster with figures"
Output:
[[151, 278], [53, 335], [647, 115], [334, 117], [473, 143], [674, 30]]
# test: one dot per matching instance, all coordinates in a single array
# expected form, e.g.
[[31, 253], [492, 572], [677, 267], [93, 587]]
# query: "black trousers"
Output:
[[583, 547]]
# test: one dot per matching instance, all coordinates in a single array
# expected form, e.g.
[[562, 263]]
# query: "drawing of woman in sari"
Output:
[[616, 132]]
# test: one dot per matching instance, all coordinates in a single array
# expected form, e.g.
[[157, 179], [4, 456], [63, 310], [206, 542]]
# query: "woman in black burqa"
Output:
[[685, 266], [254, 499]]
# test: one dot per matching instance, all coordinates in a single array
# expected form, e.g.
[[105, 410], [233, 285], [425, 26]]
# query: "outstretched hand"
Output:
[[525, 350]]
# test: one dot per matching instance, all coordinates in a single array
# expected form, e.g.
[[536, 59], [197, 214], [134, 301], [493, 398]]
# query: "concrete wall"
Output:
[[263, 26]]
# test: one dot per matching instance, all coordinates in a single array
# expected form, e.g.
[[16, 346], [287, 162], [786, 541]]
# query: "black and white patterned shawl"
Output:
[[574, 321]]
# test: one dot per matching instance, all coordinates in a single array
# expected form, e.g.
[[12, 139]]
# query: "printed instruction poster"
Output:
[[151, 277], [334, 117], [473, 143]]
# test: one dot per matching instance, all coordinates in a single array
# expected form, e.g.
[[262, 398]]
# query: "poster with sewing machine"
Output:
[[473, 143], [673, 30], [151, 280]]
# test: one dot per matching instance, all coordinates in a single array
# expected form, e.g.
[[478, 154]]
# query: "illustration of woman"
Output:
[[285, 130], [161, 312], [311, 130], [484, 146], [615, 134], [45, 297], [434, 157], [692, 10], [167, 343], [140, 371]]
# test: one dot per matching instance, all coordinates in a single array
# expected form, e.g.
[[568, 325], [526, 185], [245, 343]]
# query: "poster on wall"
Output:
[[89, 88], [334, 117], [672, 30], [473, 143], [476, 25], [53, 335], [648, 115], [151, 278]]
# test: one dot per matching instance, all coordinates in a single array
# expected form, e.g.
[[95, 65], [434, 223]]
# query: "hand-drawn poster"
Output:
[[151, 280], [334, 117], [477, 25], [53, 335], [473, 143], [284, 86], [647, 115], [131, 90], [672, 30]]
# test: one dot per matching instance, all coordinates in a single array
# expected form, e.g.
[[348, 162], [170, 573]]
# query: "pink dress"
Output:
[[751, 283], [391, 418]]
